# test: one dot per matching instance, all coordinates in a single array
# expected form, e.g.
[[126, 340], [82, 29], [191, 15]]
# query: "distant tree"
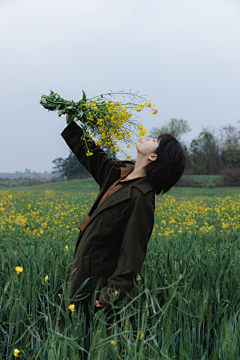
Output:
[[175, 127], [58, 168], [188, 168], [204, 154], [229, 137], [70, 168], [73, 169]]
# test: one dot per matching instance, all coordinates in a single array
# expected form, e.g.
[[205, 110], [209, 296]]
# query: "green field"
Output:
[[204, 180], [184, 306]]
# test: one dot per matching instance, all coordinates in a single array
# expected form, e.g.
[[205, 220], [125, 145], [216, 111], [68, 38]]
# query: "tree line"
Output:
[[211, 152]]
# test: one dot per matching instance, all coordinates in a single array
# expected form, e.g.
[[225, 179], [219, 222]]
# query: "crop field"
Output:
[[186, 302]]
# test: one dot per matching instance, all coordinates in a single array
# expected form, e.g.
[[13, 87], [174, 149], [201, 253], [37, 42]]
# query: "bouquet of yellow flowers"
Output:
[[103, 119]]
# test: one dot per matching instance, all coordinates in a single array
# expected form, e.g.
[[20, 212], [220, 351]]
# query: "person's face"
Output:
[[148, 147]]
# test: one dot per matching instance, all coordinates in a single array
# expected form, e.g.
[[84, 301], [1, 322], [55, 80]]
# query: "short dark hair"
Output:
[[167, 169]]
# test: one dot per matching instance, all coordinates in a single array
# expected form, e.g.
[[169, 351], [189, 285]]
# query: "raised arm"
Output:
[[99, 164]]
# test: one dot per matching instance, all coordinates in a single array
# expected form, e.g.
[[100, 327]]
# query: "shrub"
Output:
[[231, 177]]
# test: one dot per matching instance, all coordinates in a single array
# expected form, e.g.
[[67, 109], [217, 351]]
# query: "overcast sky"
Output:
[[183, 55]]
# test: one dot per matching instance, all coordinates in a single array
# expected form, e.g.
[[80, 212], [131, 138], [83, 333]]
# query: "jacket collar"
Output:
[[141, 183]]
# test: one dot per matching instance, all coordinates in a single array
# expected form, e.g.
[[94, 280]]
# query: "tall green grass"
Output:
[[185, 305]]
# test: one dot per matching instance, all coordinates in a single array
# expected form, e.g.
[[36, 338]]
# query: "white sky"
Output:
[[184, 55]]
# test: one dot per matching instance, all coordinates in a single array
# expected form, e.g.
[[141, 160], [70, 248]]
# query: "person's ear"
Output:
[[152, 157]]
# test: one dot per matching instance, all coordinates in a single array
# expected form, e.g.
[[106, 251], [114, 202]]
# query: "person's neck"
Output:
[[138, 170]]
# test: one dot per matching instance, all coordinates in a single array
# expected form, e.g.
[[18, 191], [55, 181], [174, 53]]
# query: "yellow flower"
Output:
[[16, 352], [46, 278], [138, 277], [128, 157], [113, 342], [128, 146], [71, 307], [89, 153], [67, 248], [225, 226], [18, 269], [149, 104], [141, 336]]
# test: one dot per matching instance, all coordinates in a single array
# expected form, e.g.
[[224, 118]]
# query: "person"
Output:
[[113, 238]]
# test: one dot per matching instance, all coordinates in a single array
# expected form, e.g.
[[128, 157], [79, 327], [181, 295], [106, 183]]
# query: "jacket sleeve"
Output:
[[133, 250], [99, 164]]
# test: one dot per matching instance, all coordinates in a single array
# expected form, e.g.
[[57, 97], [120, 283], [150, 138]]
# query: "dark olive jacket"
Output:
[[113, 244]]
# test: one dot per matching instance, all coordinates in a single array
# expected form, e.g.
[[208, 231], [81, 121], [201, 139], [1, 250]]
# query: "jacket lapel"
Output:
[[119, 196], [113, 176]]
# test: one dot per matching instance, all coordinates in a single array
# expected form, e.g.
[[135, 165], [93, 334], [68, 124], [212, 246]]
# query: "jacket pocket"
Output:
[[111, 218], [86, 270]]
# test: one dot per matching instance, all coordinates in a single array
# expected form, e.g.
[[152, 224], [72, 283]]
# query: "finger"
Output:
[[99, 305]]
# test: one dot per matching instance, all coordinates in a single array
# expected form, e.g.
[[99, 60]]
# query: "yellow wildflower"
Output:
[[113, 342], [141, 336], [16, 352], [46, 278], [128, 157], [72, 307], [18, 269], [67, 248], [138, 277], [89, 153]]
